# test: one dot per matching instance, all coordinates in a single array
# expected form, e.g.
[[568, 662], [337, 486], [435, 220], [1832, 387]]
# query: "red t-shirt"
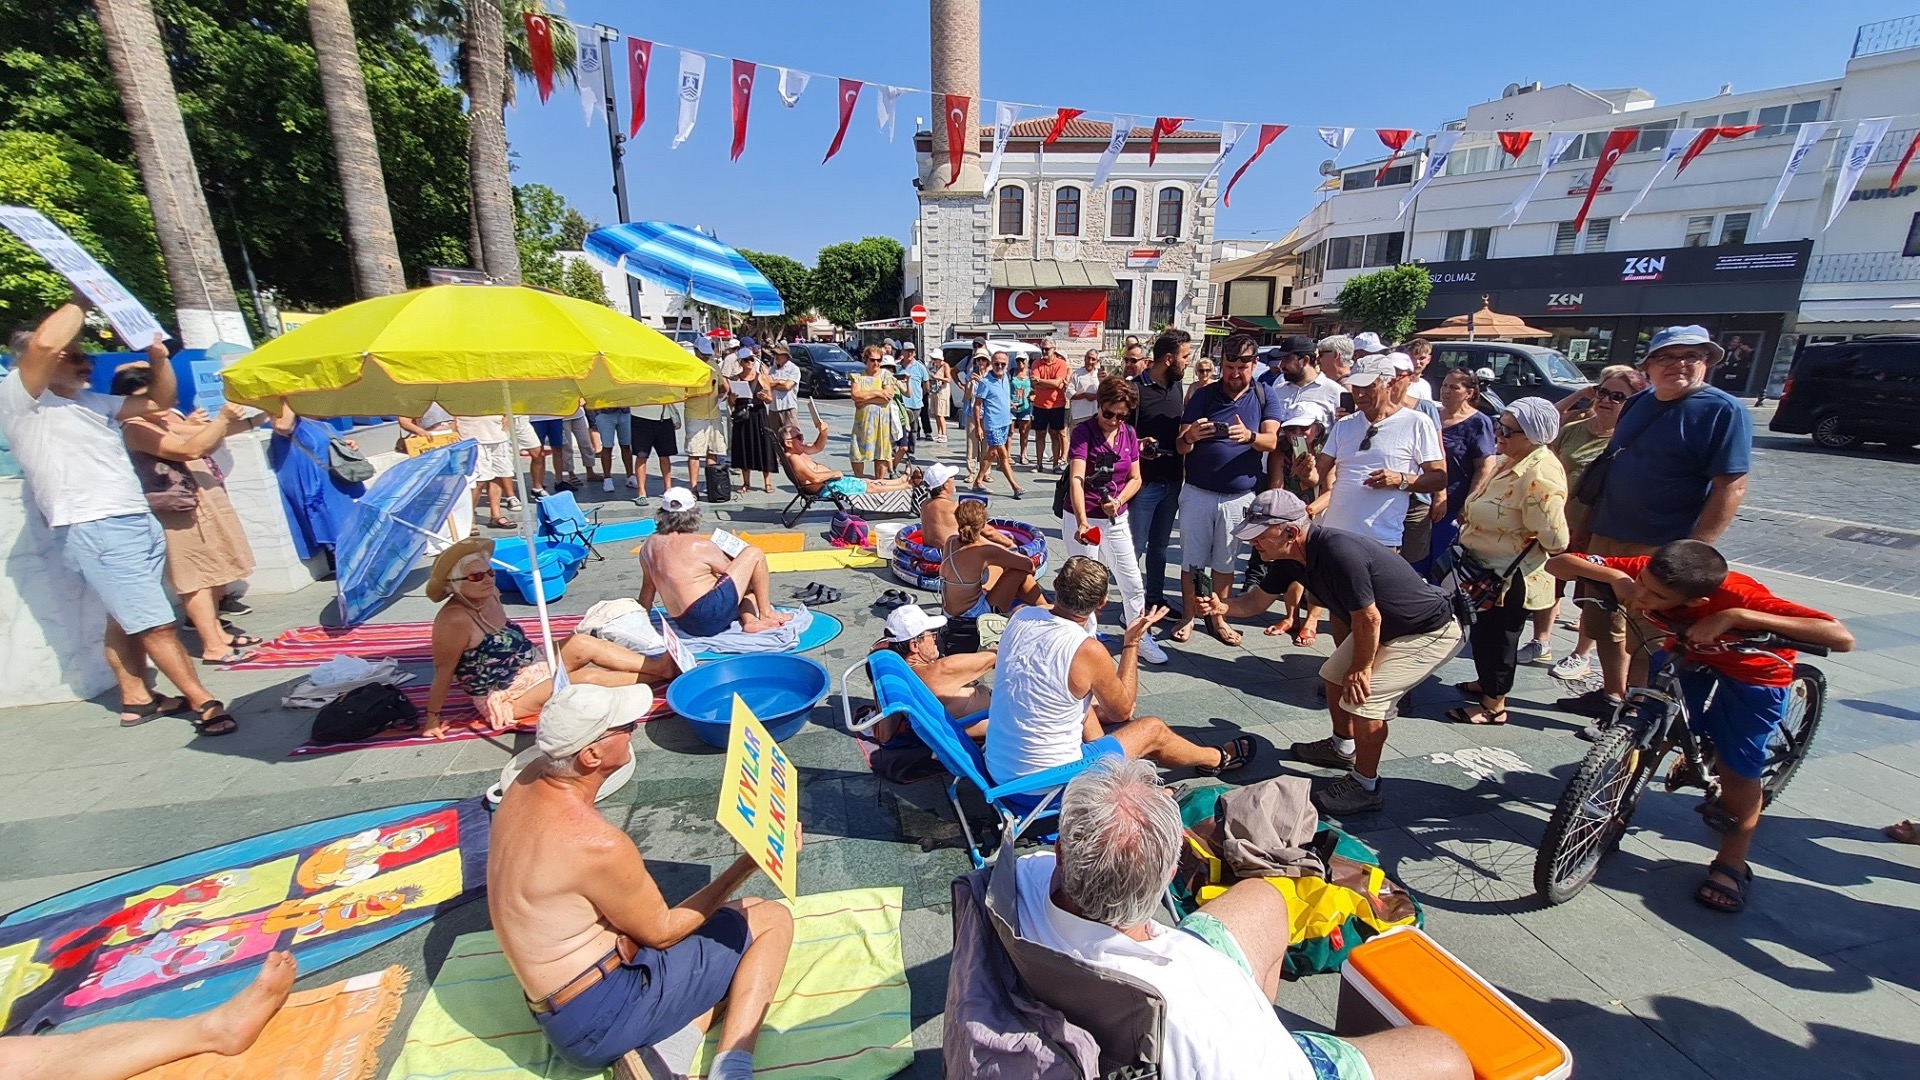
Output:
[[1739, 591], [1051, 368]]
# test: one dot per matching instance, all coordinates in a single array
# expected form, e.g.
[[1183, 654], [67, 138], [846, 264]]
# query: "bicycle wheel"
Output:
[[1593, 813], [1788, 747]]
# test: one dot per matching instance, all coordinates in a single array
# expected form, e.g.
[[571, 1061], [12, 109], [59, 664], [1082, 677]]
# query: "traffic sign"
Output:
[[918, 314]]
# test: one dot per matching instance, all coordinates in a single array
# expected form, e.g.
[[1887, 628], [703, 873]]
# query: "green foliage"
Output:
[[790, 278], [582, 282], [97, 201], [857, 281], [574, 228], [544, 226], [1386, 301]]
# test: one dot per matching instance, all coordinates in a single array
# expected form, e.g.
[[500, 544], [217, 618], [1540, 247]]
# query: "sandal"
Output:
[[1727, 899], [232, 659], [808, 592], [220, 723], [243, 641], [1306, 636], [1236, 754], [1228, 635], [1182, 634], [1903, 832], [148, 710], [500, 523], [1479, 717], [1470, 689]]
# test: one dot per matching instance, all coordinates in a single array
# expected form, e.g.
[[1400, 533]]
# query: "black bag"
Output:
[[719, 485], [904, 759], [349, 466], [1477, 586], [363, 712]]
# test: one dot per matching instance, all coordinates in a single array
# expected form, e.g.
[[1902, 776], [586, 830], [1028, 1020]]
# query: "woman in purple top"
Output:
[[1466, 435], [1103, 475]]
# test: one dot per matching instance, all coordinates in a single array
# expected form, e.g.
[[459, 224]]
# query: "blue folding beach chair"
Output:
[[564, 522]]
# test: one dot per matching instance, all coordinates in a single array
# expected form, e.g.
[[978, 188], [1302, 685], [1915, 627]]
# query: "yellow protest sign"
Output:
[[759, 794]]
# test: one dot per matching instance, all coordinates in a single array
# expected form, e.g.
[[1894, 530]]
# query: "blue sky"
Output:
[[1363, 65]]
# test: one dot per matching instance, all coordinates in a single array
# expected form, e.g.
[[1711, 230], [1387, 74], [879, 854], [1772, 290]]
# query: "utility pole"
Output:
[[616, 148]]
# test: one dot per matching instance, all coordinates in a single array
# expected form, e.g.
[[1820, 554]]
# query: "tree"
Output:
[[97, 201], [574, 228], [363, 187], [582, 282], [789, 276], [1386, 301], [485, 68], [856, 281], [544, 226]]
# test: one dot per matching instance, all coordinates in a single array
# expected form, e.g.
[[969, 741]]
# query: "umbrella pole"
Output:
[[533, 554]]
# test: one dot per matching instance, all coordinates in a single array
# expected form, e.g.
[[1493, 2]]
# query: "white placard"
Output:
[[682, 656], [741, 388], [729, 543], [131, 320]]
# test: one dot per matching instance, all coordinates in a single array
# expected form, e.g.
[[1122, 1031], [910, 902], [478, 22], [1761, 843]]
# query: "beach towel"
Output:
[[842, 1011], [784, 562], [616, 531], [463, 722], [404, 642], [332, 1033]]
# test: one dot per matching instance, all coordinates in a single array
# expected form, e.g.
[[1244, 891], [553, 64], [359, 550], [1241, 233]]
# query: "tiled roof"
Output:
[[1100, 130]]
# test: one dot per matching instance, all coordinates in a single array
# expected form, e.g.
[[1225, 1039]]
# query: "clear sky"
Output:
[[1366, 65]]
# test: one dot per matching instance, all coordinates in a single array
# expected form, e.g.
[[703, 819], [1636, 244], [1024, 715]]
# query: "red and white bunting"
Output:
[[888, 109], [1905, 159], [849, 97], [956, 114], [693, 83], [1678, 140], [540, 52], [1557, 144], [1005, 115], [1705, 139], [743, 72], [1162, 125], [1515, 142], [1802, 146], [1335, 137], [793, 83], [639, 63], [1268, 133], [1061, 118], [1116, 142], [1437, 155], [1617, 143], [1866, 143], [586, 72], [1230, 136], [1395, 139]]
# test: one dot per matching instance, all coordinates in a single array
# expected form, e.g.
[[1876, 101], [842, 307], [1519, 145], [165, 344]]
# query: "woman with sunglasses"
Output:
[[1516, 516], [1466, 437], [1202, 374], [1103, 475], [477, 646]]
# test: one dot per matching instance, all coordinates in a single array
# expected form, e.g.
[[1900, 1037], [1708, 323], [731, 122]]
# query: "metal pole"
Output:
[[533, 550], [616, 148]]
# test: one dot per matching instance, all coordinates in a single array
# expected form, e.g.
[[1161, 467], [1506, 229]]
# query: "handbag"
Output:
[[1593, 479], [348, 465], [169, 485], [1477, 586]]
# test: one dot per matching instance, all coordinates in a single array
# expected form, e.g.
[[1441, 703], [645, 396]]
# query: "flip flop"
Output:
[[163, 705], [237, 656], [826, 595], [1461, 715], [1903, 832], [807, 592], [244, 641]]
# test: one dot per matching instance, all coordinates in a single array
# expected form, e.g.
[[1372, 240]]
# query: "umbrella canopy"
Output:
[[390, 525], [1485, 323], [687, 261], [457, 345]]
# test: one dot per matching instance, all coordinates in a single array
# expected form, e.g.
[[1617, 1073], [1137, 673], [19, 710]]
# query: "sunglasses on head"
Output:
[[1615, 396], [1366, 442]]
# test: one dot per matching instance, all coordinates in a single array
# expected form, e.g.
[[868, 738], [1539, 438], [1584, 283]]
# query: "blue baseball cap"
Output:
[[748, 343], [1685, 335]]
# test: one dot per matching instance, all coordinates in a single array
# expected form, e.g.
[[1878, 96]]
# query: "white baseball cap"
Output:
[[1304, 414], [678, 500], [1367, 369], [937, 475], [581, 713], [1367, 343], [909, 621], [1401, 362]]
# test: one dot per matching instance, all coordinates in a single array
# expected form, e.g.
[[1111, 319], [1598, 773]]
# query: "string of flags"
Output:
[[1683, 144]]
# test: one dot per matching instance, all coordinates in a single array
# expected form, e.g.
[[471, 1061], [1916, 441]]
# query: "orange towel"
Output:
[[333, 1033]]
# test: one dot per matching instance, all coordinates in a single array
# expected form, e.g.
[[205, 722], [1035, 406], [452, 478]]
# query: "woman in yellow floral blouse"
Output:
[[1520, 507]]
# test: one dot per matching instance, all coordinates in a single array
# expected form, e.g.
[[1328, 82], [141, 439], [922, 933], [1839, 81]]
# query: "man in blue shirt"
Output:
[[915, 373], [1675, 469], [992, 422]]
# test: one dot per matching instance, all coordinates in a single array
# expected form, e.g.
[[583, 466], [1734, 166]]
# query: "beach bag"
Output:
[[349, 466], [362, 713], [169, 485], [719, 485], [849, 530]]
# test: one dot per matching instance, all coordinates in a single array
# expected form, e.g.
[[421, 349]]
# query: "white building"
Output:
[[660, 308], [1603, 291]]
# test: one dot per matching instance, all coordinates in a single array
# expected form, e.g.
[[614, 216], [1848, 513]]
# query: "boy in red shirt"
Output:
[[1686, 585]]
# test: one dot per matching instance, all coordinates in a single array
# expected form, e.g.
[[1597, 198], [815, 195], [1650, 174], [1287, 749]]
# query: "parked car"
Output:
[[1846, 393], [825, 369], [1518, 370]]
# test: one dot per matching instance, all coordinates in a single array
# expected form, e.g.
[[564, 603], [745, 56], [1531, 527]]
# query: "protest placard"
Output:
[[131, 320], [759, 796]]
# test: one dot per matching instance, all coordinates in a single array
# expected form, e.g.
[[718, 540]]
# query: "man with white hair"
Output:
[[1374, 458], [606, 965], [1336, 357], [704, 589], [1094, 897]]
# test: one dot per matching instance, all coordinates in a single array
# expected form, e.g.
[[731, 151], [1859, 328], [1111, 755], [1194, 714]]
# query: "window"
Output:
[[1565, 239], [1732, 119], [1912, 247], [1066, 211], [1469, 244], [1170, 203], [1343, 252], [1383, 249], [1733, 229], [1597, 231], [1358, 180], [1399, 174], [1776, 119], [1699, 231], [1160, 302], [1122, 211], [1120, 305], [1013, 210], [1477, 159], [1653, 136]]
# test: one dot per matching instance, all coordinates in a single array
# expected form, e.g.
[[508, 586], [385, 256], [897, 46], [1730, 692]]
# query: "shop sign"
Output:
[[1565, 301], [1143, 259], [1644, 268], [1864, 194]]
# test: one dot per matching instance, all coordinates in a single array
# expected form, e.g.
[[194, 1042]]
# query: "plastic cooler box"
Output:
[[1403, 977]]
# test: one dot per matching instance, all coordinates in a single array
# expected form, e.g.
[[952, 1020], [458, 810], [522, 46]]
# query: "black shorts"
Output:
[[652, 437], [1050, 419]]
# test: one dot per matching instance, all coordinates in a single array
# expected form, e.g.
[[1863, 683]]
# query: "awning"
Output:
[[1858, 311], [1050, 274], [1257, 322]]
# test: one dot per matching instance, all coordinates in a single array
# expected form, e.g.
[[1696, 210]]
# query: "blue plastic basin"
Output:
[[780, 688]]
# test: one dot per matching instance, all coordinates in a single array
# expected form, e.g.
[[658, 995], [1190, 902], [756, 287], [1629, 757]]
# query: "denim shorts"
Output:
[[552, 432], [614, 425], [1741, 721], [124, 561]]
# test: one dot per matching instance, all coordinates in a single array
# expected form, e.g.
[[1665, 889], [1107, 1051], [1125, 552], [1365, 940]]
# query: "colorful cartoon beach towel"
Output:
[[463, 722], [841, 1013], [181, 936], [332, 1033]]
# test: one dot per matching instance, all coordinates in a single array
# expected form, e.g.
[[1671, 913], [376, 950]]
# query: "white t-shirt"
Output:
[[1418, 388], [1219, 1025], [1403, 441], [1321, 391], [1083, 382], [71, 453], [787, 400]]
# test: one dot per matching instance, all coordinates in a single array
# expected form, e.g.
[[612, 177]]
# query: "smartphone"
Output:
[[1585, 402], [1346, 403], [1203, 583]]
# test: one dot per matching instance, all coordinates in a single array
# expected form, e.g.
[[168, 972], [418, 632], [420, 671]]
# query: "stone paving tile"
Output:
[[1733, 1030]]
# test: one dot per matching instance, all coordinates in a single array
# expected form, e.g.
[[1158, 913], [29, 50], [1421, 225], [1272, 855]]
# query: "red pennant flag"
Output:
[[1901, 169], [1162, 125], [540, 51], [1515, 142], [956, 133], [639, 62], [1268, 133], [1618, 142], [1706, 136], [1060, 119], [849, 96], [742, 98], [1396, 141]]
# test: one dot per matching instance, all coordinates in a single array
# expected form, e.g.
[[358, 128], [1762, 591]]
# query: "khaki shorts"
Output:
[[706, 438], [1401, 664], [1606, 625]]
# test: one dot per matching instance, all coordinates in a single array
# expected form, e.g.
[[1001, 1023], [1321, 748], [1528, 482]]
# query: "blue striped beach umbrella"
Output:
[[686, 261]]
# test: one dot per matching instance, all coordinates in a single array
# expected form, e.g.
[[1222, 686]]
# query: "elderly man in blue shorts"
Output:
[[993, 422]]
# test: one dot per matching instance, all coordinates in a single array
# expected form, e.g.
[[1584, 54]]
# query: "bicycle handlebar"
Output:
[[1760, 642]]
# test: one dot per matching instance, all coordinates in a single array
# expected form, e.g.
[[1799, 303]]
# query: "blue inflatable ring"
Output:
[[918, 565]]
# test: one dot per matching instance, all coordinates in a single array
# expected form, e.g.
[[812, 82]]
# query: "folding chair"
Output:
[[876, 504], [563, 521]]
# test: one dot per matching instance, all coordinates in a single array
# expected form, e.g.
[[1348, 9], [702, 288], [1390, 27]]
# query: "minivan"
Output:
[[1845, 393], [1518, 370]]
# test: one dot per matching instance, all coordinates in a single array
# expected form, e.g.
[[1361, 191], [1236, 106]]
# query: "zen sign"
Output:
[[1644, 268]]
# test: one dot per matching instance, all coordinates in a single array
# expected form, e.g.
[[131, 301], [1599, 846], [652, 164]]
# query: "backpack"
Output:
[[363, 712], [849, 530], [719, 485]]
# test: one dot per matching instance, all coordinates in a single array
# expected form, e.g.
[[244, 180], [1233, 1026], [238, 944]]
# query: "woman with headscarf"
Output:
[[1516, 516]]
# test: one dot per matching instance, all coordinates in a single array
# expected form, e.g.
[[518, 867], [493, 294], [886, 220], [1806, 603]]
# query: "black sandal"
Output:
[[220, 723], [1470, 689], [1493, 718], [149, 710], [1732, 898], [1237, 753], [807, 592]]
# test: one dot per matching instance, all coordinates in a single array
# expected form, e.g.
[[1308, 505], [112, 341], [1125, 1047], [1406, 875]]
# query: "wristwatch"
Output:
[[1406, 482]]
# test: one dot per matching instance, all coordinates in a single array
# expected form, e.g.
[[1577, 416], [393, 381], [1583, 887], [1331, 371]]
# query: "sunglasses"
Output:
[[1366, 442], [1116, 417], [1615, 396], [1501, 429], [1687, 359], [477, 575], [623, 729]]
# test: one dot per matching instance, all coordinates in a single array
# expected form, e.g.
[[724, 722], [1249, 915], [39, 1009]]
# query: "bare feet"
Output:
[[1306, 635], [232, 1027], [1182, 633], [1228, 635], [1282, 627], [756, 624]]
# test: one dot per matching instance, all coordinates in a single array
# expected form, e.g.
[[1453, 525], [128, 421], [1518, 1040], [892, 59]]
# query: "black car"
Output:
[[1518, 370], [1845, 393], [825, 369]]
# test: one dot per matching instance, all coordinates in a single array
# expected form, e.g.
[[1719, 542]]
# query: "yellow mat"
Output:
[[781, 562], [767, 542]]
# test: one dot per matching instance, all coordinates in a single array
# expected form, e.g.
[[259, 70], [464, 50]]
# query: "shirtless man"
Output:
[[937, 524], [812, 474], [606, 965], [914, 634], [704, 591]]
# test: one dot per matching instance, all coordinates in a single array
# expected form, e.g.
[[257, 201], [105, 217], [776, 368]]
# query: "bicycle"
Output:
[[1650, 723]]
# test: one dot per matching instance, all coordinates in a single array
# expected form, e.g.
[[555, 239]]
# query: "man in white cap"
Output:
[[703, 588], [1367, 343], [607, 966], [1376, 457], [963, 682]]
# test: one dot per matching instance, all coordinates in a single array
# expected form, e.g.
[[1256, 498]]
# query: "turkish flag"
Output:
[[1901, 169], [1706, 137], [1515, 142], [1618, 142], [956, 134], [1396, 141], [639, 63], [742, 98], [1061, 118], [540, 51], [1162, 125], [1268, 133], [1049, 305], [849, 96]]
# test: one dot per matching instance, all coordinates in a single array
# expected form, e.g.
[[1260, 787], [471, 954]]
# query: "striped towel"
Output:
[[405, 642], [463, 722]]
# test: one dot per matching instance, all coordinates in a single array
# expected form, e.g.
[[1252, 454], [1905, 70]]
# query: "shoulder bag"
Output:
[[1593, 479]]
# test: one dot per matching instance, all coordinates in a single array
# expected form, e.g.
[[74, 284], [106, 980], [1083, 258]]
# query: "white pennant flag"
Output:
[[1003, 117], [1336, 138], [1677, 142], [1437, 154], [1122, 128], [1866, 140], [586, 71], [1802, 145], [693, 79], [1557, 144], [887, 96], [792, 85], [1230, 136]]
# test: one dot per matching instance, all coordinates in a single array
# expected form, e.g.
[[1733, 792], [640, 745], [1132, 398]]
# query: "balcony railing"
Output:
[[1862, 266], [1887, 36]]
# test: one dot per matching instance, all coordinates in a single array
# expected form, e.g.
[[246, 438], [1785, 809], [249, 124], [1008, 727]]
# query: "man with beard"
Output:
[[1301, 378], [1156, 419]]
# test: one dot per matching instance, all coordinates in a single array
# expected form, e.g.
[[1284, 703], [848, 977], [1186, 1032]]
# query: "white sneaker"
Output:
[[1151, 652], [633, 482], [1571, 667], [1535, 652], [607, 484]]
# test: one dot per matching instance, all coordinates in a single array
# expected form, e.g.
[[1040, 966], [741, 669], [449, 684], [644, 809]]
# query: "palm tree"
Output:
[[371, 245], [205, 308]]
